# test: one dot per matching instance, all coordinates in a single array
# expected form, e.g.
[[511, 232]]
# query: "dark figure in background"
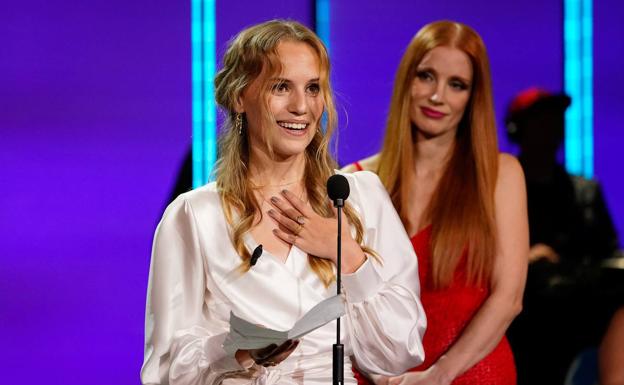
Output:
[[568, 217], [571, 232], [184, 178]]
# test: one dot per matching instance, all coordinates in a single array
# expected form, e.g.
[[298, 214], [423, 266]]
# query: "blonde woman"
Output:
[[270, 191], [462, 202]]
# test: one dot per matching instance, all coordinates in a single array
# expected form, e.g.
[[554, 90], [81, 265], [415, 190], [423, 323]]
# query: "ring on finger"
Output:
[[300, 220], [298, 229]]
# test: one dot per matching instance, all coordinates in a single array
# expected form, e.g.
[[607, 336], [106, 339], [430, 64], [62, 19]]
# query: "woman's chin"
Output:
[[289, 150]]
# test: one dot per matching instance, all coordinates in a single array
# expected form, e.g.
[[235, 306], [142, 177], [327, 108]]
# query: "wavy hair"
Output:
[[252, 54], [461, 210]]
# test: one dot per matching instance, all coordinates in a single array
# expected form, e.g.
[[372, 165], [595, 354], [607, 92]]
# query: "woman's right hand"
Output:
[[431, 376], [268, 356], [543, 251]]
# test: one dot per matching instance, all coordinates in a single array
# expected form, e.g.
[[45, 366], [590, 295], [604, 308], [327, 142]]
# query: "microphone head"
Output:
[[337, 187]]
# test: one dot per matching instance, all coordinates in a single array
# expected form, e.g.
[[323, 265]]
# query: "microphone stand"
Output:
[[338, 351]]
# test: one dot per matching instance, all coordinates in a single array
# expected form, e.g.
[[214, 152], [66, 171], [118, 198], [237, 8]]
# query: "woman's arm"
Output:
[[183, 342], [489, 324], [611, 353], [385, 318]]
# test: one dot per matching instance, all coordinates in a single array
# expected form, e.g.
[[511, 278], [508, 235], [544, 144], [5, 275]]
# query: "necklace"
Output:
[[264, 198], [255, 186]]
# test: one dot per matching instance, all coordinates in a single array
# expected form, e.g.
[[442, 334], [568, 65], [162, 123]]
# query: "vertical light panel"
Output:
[[322, 17], [578, 70], [322, 27], [203, 47]]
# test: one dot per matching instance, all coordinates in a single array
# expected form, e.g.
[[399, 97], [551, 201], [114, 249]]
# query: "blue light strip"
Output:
[[322, 18], [587, 64], [203, 48], [578, 72]]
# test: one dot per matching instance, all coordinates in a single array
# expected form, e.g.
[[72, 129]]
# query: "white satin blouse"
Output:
[[194, 283]]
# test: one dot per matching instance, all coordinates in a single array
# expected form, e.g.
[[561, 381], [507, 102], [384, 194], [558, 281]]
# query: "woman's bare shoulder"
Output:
[[509, 169], [510, 184], [368, 164]]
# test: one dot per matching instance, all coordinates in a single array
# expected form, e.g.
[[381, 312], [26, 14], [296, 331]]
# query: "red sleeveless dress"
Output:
[[448, 311]]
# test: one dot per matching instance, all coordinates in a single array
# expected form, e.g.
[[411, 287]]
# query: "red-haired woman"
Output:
[[462, 202]]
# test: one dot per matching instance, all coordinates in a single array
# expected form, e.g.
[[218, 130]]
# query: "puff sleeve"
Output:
[[183, 339], [385, 318]]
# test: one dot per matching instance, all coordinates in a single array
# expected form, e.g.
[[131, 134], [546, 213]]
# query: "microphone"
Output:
[[255, 255], [338, 191]]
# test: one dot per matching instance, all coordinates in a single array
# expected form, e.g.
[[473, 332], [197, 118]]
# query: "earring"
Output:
[[238, 123]]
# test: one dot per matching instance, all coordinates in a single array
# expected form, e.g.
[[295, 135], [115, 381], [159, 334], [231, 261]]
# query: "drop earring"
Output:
[[238, 123]]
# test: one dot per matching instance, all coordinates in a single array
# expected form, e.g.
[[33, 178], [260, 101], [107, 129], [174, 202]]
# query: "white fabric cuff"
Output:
[[363, 283], [229, 364]]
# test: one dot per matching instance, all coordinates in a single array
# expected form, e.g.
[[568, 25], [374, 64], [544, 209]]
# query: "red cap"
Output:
[[534, 96]]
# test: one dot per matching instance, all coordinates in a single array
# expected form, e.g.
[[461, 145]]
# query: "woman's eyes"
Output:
[[281, 88], [459, 85], [424, 75], [454, 84], [314, 89]]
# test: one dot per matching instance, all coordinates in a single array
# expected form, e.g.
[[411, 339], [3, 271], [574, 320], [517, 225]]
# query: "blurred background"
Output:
[[96, 119]]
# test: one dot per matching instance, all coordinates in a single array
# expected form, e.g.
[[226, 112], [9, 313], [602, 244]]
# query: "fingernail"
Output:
[[274, 199], [271, 212], [285, 191]]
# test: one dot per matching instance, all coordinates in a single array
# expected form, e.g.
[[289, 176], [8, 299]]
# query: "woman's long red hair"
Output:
[[461, 210]]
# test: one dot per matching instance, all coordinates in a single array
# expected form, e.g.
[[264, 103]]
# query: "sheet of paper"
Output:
[[246, 335]]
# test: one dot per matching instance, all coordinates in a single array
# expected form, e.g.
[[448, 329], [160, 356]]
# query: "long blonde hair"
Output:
[[461, 210], [253, 54]]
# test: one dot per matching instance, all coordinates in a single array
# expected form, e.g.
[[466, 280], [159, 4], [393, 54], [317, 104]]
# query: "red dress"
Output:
[[448, 312]]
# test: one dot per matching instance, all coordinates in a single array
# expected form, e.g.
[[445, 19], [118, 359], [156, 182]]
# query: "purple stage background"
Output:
[[608, 101], [370, 40], [95, 119]]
